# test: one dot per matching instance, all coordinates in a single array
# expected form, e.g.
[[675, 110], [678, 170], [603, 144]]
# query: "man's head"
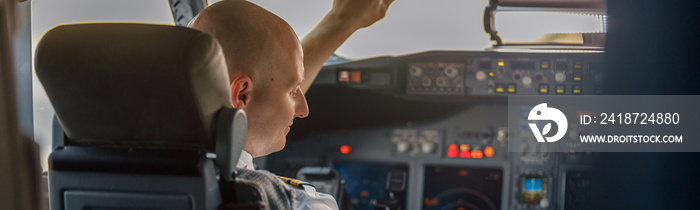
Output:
[[265, 62]]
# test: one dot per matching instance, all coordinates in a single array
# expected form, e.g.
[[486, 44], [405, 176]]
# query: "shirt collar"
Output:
[[245, 161]]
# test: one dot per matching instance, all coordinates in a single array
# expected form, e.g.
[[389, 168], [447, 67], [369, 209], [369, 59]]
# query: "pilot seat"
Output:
[[145, 119]]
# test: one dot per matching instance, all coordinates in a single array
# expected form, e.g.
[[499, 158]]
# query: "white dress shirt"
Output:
[[245, 161], [310, 199]]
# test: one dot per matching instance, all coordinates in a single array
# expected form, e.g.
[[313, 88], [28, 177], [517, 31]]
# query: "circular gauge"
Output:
[[415, 71], [451, 71]]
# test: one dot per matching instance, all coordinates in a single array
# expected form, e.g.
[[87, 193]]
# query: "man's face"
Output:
[[274, 105]]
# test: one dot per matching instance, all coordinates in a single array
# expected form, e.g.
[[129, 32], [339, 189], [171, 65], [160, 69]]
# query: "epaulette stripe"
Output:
[[295, 182]]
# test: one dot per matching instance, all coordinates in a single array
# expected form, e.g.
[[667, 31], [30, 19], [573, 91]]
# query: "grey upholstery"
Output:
[[88, 72], [141, 106]]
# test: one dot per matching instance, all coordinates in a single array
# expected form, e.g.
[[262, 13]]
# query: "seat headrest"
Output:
[[134, 84]]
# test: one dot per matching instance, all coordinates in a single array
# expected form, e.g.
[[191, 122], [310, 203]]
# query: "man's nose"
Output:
[[302, 108]]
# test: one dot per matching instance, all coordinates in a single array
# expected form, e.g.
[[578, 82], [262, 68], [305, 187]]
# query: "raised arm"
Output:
[[346, 17]]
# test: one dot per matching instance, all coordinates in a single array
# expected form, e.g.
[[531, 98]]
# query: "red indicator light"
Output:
[[356, 76], [452, 151], [364, 193], [453, 147], [489, 151], [345, 149], [452, 154], [465, 154]]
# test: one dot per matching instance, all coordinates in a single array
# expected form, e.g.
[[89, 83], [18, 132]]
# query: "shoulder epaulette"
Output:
[[295, 182]]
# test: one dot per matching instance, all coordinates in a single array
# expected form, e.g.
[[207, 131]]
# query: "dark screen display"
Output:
[[366, 182], [462, 188], [484, 65], [523, 65]]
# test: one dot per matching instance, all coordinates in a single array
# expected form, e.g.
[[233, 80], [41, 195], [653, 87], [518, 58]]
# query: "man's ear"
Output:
[[241, 87]]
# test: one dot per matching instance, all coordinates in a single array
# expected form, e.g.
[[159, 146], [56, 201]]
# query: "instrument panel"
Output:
[[430, 131], [476, 73]]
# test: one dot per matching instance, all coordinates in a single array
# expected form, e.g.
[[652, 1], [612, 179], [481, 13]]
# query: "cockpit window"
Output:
[[410, 26]]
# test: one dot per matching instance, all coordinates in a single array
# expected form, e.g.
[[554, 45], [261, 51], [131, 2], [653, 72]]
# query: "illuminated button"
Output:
[[364, 193], [544, 64], [578, 77], [344, 76], [452, 154], [356, 77], [501, 63], [560, 89], [345, 149], [578, 65], [452, 151], [489, 151], [544, 88], [491, 74], [576, 89], [500, 88], [452, 147], [431, 201], [464, 147], [477, 154], [465, 154], [511, 88], [480, 75]]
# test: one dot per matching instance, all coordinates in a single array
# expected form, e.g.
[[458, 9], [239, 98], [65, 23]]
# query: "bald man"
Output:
[[269, 71]]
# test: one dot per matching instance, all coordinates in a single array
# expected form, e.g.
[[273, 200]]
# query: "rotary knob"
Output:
[[527, 81], [402, 147], [415, 71], [560, 77], [427, 147], [451, 72]]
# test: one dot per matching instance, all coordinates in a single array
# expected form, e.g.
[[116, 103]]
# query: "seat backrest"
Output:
[[141, 107], [140, 84]]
